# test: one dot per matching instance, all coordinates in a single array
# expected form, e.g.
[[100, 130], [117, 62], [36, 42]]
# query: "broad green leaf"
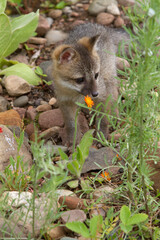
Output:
[[125, 228], [85, 143], [23, 71], [78, 227], [95, 225], [73, 184], [137, 218], [61, 5], [2, 6], [79, 156], [22, 28], [125, 214], [5, 34]]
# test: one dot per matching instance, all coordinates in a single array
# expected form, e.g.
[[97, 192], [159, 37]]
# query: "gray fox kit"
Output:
[[85, 64]]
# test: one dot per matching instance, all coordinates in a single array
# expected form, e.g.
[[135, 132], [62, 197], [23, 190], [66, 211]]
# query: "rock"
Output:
[[9, 230], [55, 13], [54, 36], [68, 238], [53, 149], [98, 6], [47, 69], [31, 113], [50, 21], [50, 119], [74, 14], [67, 10], [99, 209], [3, 104], [10, 117], [16, 86], [50, 133], [103, 157], [1, 89], [8, 148], [22, 58], [126, 3], [73, 202], [73, 215], [64, 192], [56, 232], [104, 192], [43, 26], [119, 22], [43, 108], [105, 18], [29, 129], [122, 63], [52, 101], [44, 207], [16, 199], [21, 112], [113, 9], [21, 101], [37, 40]]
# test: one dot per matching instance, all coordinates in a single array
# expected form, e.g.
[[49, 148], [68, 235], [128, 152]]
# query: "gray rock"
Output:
[[73, 215], [50, 21], [16, 86], [99, 159], [20, 102], [16, 199], [51, 148], [54, 36], [3, 104], [67, 10], [98, 6], [105, 192], [8, 148], [113, 9]]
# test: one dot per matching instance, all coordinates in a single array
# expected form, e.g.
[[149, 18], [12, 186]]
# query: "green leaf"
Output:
[[73, 167], [125, 228], [5, 34], [78, 227], [62, 154], [21, 29], [125, 214], [95, 225], [2, 6], [73, 184], [61, 5], [137, 218], [23, 71], [85, 143]]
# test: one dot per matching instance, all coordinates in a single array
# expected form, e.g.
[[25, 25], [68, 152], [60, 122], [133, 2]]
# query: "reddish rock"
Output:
[[11, 118], [31, 113], [21, 111], [105, 18], [29, 129], [55, 13], [73, 202], [43, 108], [73, 215], [50, 133], [122, 63], [50, 119], [56, 232], [119, 22], [37, 40], [43, 26]]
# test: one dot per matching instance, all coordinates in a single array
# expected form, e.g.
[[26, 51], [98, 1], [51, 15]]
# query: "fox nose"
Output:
[[94, 94]]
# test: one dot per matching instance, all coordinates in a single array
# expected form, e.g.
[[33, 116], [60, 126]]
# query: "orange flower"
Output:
[[106, 176], [89, 101], [118, 157]]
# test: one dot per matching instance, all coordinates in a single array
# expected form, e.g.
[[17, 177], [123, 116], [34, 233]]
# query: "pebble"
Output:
[[105, 18], [73, 215], [50, 21], [126, 3], [122, 63], [56, 232], [52, 101], [113, 9], [43, 108], [22, 58], [73, 202], [43, 26], [64, 192], [10, 117], [16, 86], [55, 13], [21, 111], [119, 22], [50, 133], [3, 104], [67, 10], [98, 6], [54, 36], [21, 101], [37, 40], [50, 119], [104, 192], [29, 129], [31, 113]]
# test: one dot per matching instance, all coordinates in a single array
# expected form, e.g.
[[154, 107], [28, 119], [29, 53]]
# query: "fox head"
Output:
[[76, 67]]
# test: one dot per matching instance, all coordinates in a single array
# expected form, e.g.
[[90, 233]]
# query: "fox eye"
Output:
[[80, 80], [96, 75]]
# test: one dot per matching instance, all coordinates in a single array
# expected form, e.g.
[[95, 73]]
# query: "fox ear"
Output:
[[64, 54], [89, 43]]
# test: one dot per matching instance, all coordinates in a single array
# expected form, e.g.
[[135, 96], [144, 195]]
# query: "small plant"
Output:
[[12, 32]]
